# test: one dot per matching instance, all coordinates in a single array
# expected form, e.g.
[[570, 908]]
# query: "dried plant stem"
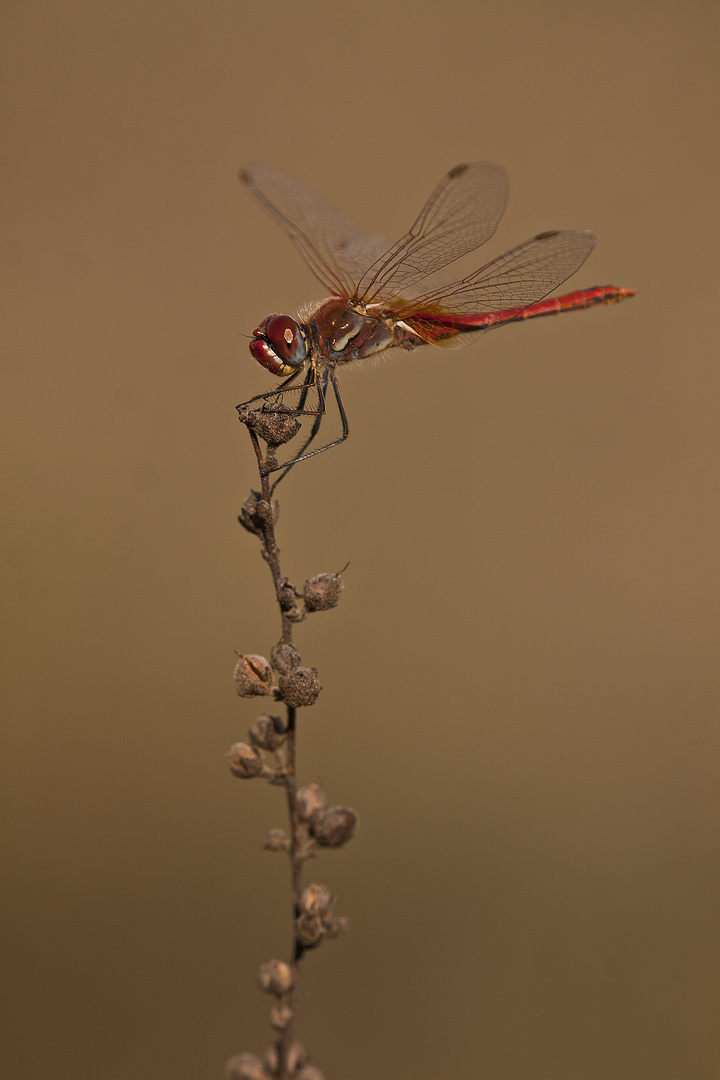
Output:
[[312, 824], [271, 554]]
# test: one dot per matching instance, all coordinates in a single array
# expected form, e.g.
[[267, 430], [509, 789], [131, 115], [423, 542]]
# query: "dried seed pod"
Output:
[[309, 1072], [317, 899], [286, 595], [300, 687], [253, 676], [267, 732], [276, 424], [280, 1016], [245, 762], [309, 800], [309, 929], [275, 977], [334, 827], [296, 1057], [337, 926], [277, 840], [323, 592], [284, 657], [255, 513], [245, 1067]]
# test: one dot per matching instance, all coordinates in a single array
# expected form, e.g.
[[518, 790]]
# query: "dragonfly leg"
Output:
[[310, 381], [328, 375], [321, 386]]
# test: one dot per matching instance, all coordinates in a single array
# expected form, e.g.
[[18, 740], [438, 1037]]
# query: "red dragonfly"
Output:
[[399, 295]]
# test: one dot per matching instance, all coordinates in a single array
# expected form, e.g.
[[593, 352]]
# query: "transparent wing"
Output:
[[460, 215], [337, 251], [521, 276]]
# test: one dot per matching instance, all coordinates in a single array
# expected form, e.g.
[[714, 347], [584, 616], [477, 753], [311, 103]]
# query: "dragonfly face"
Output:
[[279, 345]]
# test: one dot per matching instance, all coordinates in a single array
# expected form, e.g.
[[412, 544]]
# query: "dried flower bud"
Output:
[[245, 1067], [267, 732], [277, 840], [245, 762], [253, 676], [337, 926], [271, 1059], [334, 827], [309, 800], [296, 1056], [309, 929], [323, 592], [300, 687], [275, 977], [280, 1016], [286, 595], [276, 424], [255, 512], [284, 657], [309, 1072], [317, 899]]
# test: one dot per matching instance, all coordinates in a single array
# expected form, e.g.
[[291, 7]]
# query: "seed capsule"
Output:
[[323, 592], [300, 687], [268, 732], [334, 827], [277, 840], [284, 657], [317, 899], [245, 1067], [296, 1056], [255, 512], [309, 1072], [286, 595], [253, 676], [309, 929], [245, 762], [276, 424], [275, 977], [337, 926], [309, 800], [280, 1016]]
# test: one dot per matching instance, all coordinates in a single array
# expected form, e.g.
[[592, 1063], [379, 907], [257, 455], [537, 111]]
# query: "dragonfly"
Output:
[[401, 296]]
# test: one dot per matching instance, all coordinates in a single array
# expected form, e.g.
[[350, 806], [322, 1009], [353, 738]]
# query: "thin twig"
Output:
[[312, 825]]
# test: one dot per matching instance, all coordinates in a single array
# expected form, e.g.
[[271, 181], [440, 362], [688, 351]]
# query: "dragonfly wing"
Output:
[[337, 251], [460, 215], [519, 277]]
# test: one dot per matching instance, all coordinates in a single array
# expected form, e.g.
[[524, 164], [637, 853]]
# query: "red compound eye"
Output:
[[286, 340]]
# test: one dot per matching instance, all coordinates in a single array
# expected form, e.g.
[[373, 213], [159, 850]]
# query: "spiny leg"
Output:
[[278, 390], [329, 373], [321, 387], [311, 382]]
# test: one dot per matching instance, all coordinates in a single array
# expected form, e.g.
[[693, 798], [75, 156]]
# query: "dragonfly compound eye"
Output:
[[279, 345]]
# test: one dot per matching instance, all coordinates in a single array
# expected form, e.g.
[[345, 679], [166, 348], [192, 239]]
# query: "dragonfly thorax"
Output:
[[341, 330]]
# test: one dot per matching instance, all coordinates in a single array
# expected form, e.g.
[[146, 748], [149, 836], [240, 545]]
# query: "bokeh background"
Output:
[[520, 686]]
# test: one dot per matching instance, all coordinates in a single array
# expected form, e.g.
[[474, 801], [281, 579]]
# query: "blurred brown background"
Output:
[[521, 694]]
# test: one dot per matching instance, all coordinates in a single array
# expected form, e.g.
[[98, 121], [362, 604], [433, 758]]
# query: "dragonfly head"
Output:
[[279, 345]]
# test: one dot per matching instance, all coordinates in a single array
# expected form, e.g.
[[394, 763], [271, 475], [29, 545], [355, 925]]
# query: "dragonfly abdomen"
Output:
[[584, 298], [439, 327]]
